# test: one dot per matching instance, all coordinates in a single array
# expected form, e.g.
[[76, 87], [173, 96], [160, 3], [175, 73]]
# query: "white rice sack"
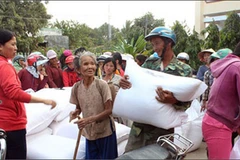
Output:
[[192, 129], [139, 104], [62, 97], [235, 153], [39, 117]]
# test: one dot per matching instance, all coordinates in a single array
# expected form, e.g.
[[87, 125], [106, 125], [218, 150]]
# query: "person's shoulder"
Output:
[[182, 65], [117, 76], [22, 70], [100, 81], [151, 62], [152, 58]]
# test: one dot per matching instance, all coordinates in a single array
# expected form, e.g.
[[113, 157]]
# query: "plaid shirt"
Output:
[[208, 79]]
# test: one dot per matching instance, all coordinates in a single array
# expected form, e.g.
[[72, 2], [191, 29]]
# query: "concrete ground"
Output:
[[200, 153]]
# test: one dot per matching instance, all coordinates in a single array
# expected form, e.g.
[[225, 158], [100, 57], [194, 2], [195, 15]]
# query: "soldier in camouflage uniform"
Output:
[[162, 40]]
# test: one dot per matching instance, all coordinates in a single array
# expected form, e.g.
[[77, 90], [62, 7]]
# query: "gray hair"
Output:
[[87, 53]]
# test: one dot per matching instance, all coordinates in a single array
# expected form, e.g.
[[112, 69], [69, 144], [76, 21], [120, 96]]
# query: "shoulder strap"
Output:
[[76, 90], [111, 87], [98, 86]]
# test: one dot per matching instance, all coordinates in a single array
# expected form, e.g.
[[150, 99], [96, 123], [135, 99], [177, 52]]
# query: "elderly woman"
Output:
[[93, 98]]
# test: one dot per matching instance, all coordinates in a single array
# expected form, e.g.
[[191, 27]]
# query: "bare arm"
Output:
[[101, 116], [45, 101]]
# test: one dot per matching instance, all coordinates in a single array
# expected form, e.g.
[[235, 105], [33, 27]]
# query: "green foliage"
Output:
[[140, 26], [103, 40], [25, 18], [193, 46], [131, 48], [212, 39], [79, 34], [230, 34], [181, 35]]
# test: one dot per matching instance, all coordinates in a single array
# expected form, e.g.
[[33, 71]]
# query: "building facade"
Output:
[[207, 11]]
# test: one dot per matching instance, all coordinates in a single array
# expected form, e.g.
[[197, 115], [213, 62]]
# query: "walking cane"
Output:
[[77, 144], [78, 141]]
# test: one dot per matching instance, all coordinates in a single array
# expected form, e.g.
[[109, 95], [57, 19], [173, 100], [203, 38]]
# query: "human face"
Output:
[[109, 68], [206, 56], [157, 44], [40, 67], [22, 63], [100, 64], [70, 65], [9, 49], [183, 60], [88, 66], [54, 61]]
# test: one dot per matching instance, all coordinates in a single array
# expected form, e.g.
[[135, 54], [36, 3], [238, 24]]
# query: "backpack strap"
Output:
[[76, 92], [111, 87]]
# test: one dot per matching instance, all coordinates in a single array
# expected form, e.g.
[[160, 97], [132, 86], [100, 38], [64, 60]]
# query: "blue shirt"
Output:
[[200, 74]]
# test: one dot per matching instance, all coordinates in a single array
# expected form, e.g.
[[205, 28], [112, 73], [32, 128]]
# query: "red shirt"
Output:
[[54, 76], [28, 81], [12, 110], [69, 77]]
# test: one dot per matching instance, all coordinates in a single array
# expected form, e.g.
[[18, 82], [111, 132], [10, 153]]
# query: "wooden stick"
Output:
[[77, 144]]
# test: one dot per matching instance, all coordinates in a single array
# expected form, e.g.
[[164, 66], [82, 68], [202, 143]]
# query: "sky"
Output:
[[96, 13]]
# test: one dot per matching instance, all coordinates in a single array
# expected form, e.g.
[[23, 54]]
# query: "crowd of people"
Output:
[[90, 78]]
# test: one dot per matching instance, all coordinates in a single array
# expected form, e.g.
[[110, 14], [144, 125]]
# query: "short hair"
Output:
[[87, 53], [79, 50], [76, 62], [110, 59], [141, 58], [237, 50], [5, 36]]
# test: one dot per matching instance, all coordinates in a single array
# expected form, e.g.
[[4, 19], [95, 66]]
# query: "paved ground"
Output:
[[200, 153]]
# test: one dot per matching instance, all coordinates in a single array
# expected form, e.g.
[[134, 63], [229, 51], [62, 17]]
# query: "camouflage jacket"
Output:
[[176, 68]]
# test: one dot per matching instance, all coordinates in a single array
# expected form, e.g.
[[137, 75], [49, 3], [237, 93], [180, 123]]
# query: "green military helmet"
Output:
[[221, 53], [162, 32]]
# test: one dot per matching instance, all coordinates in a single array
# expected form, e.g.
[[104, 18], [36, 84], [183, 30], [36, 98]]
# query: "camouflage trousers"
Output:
[[143, 134]]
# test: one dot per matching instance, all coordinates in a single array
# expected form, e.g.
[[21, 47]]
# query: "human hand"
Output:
[[204, 106], [124, 83], [238, 131], [82, 122], [50, 102], [165, 96], [74, 114]]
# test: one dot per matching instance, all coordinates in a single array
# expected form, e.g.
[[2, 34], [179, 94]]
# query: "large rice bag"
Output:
[[235, 153], [139, 104], [192, 129]]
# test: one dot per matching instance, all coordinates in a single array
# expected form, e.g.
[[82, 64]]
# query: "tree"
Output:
[[193, 46], [79, 34], [103, 40], [230, 34], [140, 26], [181, 36], [212, 39], [25, 18]]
